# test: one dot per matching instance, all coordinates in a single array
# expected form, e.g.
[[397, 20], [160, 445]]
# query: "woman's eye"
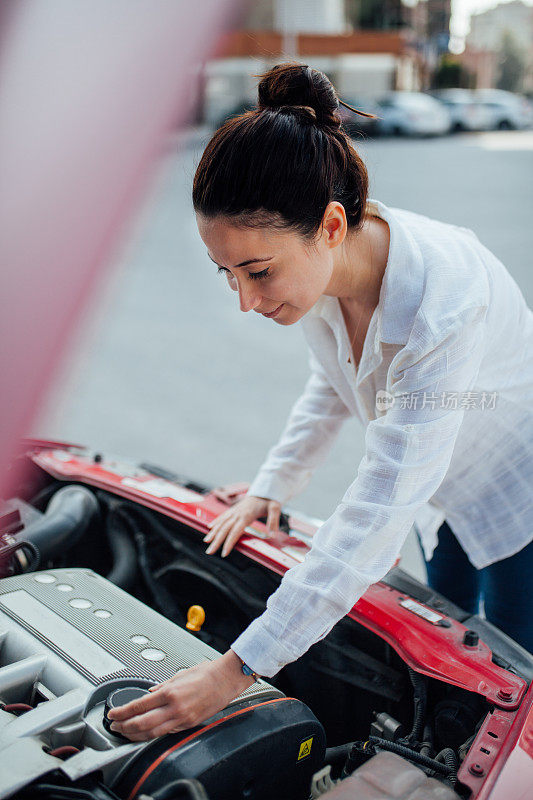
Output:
[[256, 276]]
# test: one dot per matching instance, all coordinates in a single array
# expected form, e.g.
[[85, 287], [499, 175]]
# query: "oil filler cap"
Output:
[[119, 697]]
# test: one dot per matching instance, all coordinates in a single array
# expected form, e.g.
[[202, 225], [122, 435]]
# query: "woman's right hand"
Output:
[[229, 526]]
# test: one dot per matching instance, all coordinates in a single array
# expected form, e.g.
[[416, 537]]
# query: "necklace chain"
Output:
[[352, 354]]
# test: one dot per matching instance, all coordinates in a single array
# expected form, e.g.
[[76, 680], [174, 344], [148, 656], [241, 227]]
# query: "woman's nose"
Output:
[[249, 297]]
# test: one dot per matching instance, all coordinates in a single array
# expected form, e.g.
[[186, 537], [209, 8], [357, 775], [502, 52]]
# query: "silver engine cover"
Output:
[[68, 637]]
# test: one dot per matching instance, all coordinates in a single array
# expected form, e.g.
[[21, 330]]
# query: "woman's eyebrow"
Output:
[[244, 263]]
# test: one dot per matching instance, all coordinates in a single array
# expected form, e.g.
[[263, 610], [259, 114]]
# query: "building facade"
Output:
[[484, 41]]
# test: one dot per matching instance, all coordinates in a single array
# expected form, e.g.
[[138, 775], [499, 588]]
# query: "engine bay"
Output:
[[99, 597]]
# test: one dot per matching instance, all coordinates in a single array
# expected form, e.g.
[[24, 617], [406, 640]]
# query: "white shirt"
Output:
[[450, 322]]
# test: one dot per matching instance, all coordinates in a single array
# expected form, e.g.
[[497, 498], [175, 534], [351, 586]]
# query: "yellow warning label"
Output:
[[305, 748]]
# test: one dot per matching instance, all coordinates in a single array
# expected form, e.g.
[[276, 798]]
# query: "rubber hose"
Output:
[[43, 496], [124, 571], [336, 755], [420, 700], [162, 599], [412, 755], [358, 755], [426, 747], [67, 517], [450, 759]]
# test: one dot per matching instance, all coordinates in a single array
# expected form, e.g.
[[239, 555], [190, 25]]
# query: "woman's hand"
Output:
[[184, 701], [229, 526]]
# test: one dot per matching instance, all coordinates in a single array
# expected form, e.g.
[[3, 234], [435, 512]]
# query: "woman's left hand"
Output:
[[184, 701]]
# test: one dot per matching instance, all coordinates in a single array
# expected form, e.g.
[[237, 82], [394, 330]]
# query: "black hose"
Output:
[[135, 513], [426, 746], [136, 558], [420, 701], [339, 754], [162, 599], [412, 755], [124, 570], [42, 497], [68, 515], [449, 757]]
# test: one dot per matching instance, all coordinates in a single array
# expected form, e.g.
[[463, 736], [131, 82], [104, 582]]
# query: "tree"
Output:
[[451, 74], [375, 14], [512, 64]]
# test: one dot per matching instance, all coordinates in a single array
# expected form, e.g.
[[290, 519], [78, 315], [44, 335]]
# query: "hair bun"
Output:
[[299, 86]]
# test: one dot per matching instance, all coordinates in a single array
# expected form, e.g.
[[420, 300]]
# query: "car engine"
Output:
[[102, 596], [72, 641]]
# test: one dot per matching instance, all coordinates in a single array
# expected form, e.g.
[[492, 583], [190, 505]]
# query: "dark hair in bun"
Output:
[[281, 163], [301, 87]]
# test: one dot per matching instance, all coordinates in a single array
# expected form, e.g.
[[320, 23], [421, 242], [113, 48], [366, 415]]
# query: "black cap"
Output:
[[470, 639], [119, 697]]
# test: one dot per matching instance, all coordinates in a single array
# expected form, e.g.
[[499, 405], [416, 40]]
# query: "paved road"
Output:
[[168, 369]]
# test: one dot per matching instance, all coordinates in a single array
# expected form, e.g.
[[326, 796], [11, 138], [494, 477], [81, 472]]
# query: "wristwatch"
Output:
[[246, 670]]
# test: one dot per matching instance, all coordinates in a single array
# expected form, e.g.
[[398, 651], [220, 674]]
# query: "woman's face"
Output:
[[272, 270]]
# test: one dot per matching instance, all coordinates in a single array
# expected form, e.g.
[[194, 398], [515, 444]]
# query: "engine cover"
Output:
[[69, 638]]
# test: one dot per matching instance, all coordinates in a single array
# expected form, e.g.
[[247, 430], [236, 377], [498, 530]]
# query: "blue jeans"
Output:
[[505, 586]]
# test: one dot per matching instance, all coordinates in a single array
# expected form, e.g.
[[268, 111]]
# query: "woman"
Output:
[[413, 326]]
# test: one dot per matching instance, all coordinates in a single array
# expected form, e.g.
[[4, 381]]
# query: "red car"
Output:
[[106, 589]]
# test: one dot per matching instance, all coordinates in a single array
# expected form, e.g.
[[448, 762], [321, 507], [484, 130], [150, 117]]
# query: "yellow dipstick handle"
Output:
[[195, 618]]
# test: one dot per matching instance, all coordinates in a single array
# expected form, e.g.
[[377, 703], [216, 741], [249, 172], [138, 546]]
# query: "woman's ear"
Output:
[[334, 224]]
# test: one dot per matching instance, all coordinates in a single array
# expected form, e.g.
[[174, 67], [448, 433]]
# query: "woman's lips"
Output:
[[274, 313]]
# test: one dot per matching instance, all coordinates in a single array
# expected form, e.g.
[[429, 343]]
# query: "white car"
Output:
[[508, 111], [467, 112], [412, 114]]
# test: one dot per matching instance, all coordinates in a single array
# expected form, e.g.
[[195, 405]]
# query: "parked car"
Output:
[[508, 111], [467, 112], [107, 589], [412, 114], [355, 124]]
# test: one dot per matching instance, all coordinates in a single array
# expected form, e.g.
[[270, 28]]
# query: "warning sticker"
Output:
[[305, 748]]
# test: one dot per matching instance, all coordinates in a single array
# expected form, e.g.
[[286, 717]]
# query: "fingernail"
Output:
[[114, 726]]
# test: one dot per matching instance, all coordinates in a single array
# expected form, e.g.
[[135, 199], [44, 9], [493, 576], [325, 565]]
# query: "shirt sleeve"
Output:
[[313, 424], [407, 454]]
